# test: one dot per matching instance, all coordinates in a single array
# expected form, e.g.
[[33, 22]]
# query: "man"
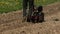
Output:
[[31, 7]]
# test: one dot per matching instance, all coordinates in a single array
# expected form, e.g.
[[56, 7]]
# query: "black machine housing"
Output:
[[37, 16]]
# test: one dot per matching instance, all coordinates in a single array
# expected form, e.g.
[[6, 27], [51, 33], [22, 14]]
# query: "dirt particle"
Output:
[[38, 32], [40, 27], [56, 19], [23, 32]]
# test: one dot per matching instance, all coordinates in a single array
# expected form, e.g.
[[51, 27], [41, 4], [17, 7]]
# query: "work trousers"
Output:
[[30, 4]]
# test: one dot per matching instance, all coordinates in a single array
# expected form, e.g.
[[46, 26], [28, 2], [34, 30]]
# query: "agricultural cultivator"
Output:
[[34, 14]]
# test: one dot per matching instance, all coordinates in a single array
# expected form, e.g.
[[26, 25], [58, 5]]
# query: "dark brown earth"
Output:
[[11, 23]]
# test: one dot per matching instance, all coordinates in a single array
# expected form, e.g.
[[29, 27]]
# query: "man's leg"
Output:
[[24, 9], [31, 7]]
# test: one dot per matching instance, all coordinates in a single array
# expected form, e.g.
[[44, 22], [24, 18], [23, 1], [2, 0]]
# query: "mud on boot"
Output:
[[28, 19]]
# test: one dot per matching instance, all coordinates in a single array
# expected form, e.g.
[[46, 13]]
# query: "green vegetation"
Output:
[[13, 5], [10, 5], [45, 2]]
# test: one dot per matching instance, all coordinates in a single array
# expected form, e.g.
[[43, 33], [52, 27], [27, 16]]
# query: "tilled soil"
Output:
[[11, 23]]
